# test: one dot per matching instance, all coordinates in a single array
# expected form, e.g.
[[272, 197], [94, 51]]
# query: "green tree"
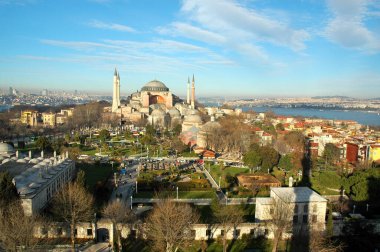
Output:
[[331, 154], [43, 143], [252, 158], [177, 129], [104, 135], [270, 157], [286, 162], [280, 126], [8, 191], [150, 131]]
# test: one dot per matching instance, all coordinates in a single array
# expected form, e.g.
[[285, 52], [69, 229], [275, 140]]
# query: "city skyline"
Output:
[[234, 48]]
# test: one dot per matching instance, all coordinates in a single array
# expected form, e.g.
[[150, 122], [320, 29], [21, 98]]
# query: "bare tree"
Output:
[[17, 231], [280, 217], [169, 225], [73, 204], [228, 218], [118, 213], [319, 242]]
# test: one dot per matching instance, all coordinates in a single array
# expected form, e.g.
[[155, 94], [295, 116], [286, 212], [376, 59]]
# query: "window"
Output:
[[222, 232], [306, 208], [44, 231], [295, 219], [271, 211], [89, 231], [295, 208], [59, 231], [314, 208], [252, 231], [314, 218], [304, 218], [237, 233], [75, 232], [208, 232], [266, 231], [193, 233]]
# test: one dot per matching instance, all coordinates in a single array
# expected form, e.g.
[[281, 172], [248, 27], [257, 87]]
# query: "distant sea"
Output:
[[362, 117]]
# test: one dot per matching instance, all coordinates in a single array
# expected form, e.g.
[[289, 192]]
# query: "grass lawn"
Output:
[[95, 173], [217, 172], [181, 194], [326, 182]]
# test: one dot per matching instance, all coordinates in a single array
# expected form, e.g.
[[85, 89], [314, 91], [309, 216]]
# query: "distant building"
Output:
[[30, 118], [45, 92], [49, 119]]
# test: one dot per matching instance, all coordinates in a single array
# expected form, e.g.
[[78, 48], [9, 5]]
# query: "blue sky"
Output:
[[247, 48]]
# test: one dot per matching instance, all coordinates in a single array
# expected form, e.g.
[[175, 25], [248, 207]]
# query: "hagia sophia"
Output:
[[161, 108]]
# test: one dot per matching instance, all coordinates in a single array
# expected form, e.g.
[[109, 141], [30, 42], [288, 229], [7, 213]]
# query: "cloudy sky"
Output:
[[248, 48]]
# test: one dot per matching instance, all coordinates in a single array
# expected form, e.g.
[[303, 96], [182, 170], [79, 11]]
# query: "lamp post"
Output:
[[367, 207], [131, 202], [353, 211], [177, 192], [136, 186]]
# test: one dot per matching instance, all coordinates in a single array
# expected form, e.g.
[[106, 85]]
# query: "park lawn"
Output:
[[181, 194], [95, 173], [326, 182], [189, 154], [217, 172]]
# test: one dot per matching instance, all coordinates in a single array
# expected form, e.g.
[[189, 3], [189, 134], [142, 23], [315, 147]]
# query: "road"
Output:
[[126, 184]]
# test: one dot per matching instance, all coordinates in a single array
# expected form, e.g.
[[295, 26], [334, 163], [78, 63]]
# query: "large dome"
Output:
[[155, 85]]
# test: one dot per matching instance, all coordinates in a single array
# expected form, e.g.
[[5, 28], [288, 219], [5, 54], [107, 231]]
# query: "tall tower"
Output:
[[193, 93], [188, 91], [116, 91]]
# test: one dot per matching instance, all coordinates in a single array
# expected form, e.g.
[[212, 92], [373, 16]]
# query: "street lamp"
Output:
[[367, 207], [353, 212], [177, 192], [136, 186], [131, 202]]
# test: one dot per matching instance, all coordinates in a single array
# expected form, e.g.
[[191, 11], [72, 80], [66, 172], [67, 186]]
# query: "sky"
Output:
[[241, 48]]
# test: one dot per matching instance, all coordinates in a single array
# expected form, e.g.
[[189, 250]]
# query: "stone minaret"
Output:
[[116, 91], [193, 94], [188, 91]]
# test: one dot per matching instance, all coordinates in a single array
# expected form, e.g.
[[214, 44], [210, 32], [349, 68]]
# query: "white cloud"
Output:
[[347, 27], [229, 18], [236, 28], [110, 26]]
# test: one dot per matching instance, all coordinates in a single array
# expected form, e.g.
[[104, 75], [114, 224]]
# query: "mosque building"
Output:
[[161, 108], [154, 102]]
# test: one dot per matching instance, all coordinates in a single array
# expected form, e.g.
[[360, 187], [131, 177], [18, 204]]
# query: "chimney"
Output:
[[30, 154], [17, 154], [42, 154]]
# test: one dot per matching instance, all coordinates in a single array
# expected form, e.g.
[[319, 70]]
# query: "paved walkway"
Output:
[[98, 247]]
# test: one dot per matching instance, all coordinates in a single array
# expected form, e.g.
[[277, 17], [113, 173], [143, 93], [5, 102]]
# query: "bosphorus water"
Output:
[[362, 117]]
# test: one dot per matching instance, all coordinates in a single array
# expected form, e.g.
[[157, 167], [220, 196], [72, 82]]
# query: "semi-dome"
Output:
[[193, 118], [6, 148], [158, 113], [173, 112], [155, 85]]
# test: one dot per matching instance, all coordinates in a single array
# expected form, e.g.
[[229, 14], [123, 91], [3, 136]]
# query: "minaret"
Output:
[[193, 94], [116, 91], [188, 91]]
